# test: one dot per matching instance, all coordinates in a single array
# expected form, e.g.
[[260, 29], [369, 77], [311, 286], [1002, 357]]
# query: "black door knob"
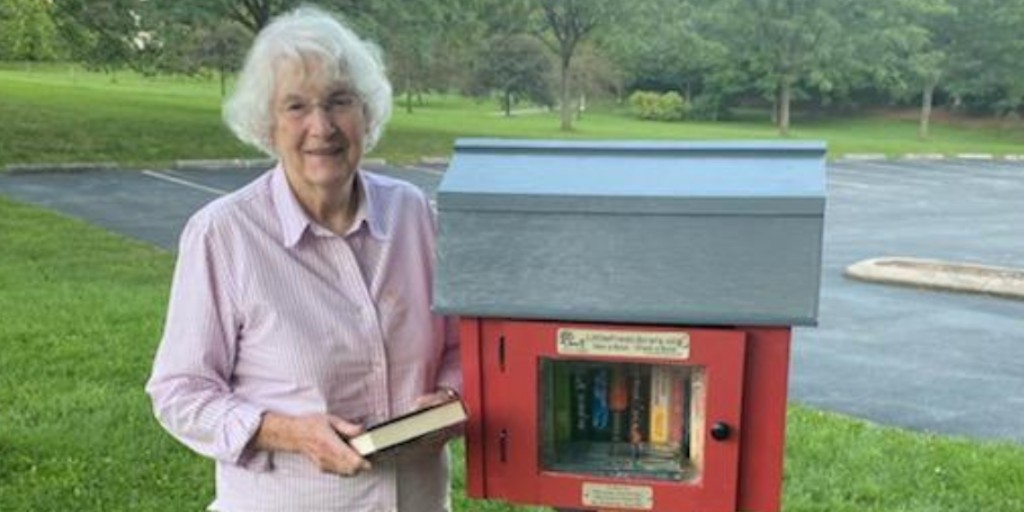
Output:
[[720, 431]]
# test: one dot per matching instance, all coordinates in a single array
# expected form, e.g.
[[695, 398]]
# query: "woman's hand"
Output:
[[317, 436], [440, 396]]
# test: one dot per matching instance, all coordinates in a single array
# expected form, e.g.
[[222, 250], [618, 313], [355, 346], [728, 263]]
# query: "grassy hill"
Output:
[[63, 114]]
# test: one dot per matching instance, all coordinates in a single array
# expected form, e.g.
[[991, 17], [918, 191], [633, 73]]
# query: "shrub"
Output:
[[669, 106]]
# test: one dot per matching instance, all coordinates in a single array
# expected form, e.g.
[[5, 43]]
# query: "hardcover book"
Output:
[[408, 427]]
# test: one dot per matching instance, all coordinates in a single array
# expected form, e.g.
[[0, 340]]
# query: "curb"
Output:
[[924, 156], [434, 160], [67, 167], [849, 157], [241, 163], [863, 156], [1004, 282], [237, 163]]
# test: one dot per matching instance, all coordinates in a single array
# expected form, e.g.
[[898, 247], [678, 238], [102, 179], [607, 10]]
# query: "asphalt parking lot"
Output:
[[926, 360]]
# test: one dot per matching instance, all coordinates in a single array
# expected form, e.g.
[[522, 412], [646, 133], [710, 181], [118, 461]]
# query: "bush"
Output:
[[669, 106]]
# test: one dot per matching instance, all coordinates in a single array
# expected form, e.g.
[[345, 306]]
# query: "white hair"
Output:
[[303, 34]]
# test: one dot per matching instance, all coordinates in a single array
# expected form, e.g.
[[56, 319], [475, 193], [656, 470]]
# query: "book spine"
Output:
[[660, 399], [638, 401], [562, 406], [580, 403], [677, 408], [618, 402], [696, 421], [600, 409]]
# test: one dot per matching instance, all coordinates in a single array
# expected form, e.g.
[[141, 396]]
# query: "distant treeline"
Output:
[[822, 55]]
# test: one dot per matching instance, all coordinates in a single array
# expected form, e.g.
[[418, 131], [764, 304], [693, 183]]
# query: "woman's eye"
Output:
[[343, 101]]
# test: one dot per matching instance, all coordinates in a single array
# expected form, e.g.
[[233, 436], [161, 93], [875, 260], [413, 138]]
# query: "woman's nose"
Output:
[[321, 122]]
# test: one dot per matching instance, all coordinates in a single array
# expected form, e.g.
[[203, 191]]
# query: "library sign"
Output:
[[637, 344]]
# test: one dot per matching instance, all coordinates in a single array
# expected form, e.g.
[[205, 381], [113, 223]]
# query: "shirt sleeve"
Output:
[[449, 374], [190, 383]]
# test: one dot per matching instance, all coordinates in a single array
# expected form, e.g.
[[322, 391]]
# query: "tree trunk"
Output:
[[408, 95], [223, 81], [566, 101], [926, 110], [508, 103], [785, 93]]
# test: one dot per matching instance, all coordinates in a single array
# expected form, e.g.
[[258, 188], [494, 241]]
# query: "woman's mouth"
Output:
[[325, 151]]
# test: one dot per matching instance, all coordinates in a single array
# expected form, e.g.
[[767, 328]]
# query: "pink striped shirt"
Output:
[[270, 311]]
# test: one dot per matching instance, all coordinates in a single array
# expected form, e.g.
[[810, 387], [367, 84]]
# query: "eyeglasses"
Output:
[[336, 104]]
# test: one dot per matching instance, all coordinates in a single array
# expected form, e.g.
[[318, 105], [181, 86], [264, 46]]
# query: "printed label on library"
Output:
[[639, 344], [631, 497]]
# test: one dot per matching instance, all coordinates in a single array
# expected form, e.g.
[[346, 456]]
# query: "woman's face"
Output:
[[319, 125]]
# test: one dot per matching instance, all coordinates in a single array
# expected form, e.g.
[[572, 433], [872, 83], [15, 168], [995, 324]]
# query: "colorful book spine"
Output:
[[677, 409], [697, 421], [600, 409], [639, 386], [562, 402], [580, 403], [618, 402], [660, 403]]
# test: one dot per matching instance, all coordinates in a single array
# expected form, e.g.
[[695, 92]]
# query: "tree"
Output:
[[222, 50], [203, 48], [594, 75], [428, 44], [785, 44], [684, 59], [516, 66], [925, 35], [102, 34], [986, 69], [565, 24], [27, 31], [251, 14]]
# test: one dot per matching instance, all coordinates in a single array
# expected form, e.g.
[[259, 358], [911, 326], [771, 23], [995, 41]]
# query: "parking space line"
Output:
[[427, 170], [184, 183]]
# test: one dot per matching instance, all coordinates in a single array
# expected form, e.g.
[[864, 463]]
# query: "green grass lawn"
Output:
[[61, 114], [80, 316]]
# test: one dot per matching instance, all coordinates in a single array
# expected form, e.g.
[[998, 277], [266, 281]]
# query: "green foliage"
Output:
[[251, 14], [517, 68], [27, 31], [102, 34], [719, 54], [668, 106], [563, 25]]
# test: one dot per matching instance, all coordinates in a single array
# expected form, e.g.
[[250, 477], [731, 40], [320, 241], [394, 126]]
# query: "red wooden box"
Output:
[[726, 448]]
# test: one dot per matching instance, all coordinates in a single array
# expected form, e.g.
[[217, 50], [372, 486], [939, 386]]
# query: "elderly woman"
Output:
[[299, 310]]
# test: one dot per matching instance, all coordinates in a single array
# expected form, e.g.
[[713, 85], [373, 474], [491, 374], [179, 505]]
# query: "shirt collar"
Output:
[[295, 221]]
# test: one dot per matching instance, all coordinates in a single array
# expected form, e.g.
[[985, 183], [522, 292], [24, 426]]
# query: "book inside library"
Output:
[[621, 419]]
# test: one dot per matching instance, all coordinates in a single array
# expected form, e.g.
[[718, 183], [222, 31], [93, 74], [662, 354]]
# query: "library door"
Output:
[[612, 416]]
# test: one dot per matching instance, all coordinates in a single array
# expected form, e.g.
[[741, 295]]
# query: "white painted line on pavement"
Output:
[[427, 170], [184, 183]]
